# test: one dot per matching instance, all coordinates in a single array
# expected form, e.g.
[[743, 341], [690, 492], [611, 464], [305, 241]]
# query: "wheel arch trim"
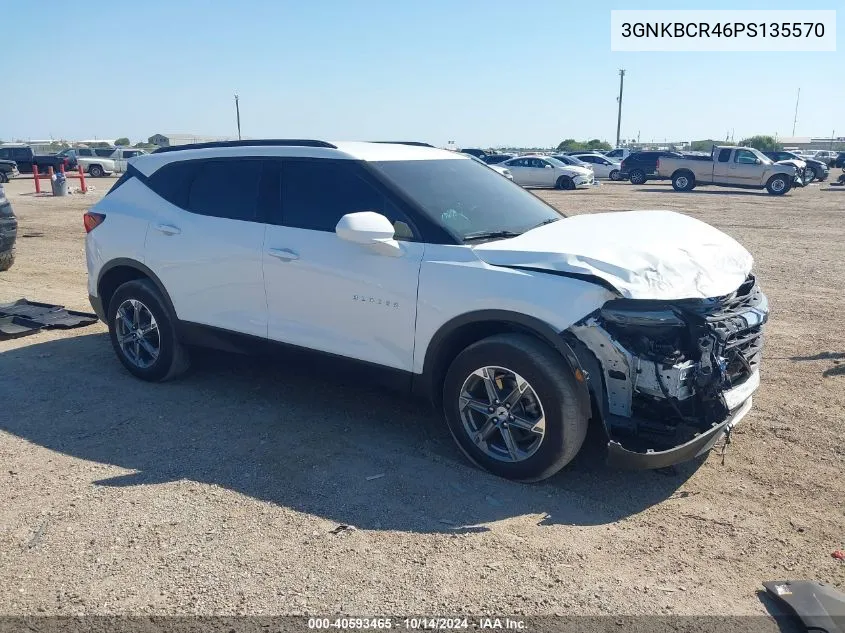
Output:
[[125, 262], [439, 350]]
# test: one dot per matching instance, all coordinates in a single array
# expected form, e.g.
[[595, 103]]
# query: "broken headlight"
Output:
[[639, 314]]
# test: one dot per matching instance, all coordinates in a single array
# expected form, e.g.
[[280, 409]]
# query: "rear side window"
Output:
[[226, 189], [104, 152], [724, 155], [317, 193]]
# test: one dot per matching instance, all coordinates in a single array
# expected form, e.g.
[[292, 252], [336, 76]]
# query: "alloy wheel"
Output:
[[137, 333], [502, 414]]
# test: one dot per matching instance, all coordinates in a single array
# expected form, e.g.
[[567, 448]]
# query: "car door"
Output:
[[744, 169], [542, 173], [721, 168], [331, 295], [520, 170], [205, 241]]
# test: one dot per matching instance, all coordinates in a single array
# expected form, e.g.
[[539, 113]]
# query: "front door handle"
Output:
[[168, 229], [285, 254]]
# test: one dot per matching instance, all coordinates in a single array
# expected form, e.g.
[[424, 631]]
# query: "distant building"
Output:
[[813, 142], [169, 140]]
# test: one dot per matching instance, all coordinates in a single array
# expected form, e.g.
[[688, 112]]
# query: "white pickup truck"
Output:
[[742, 167], [101, 161]]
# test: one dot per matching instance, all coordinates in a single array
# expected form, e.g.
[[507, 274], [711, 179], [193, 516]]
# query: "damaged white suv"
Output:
[[520, 324]]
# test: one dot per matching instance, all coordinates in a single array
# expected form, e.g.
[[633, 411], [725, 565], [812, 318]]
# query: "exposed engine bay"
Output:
[[669, 371]]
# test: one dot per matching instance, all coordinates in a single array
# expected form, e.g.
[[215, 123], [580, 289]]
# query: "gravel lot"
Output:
[[219, 493]]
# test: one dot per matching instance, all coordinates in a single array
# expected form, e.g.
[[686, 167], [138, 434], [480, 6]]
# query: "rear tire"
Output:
[[551, 393], [7, 259], [565, 183], [778, 185], [95, 171], [637, 177], [4, 177], [171, 358], [683, 181], [614, 175]]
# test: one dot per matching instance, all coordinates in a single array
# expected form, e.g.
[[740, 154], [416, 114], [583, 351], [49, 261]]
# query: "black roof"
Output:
[[253, 143]]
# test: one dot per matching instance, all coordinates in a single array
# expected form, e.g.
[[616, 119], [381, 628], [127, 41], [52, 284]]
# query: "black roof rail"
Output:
[[414, 143], [263, 142]]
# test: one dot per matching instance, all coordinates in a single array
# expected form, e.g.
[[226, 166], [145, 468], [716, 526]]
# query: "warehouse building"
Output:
[[169, 140]]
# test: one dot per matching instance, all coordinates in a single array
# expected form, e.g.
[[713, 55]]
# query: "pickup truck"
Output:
[[742, 167], [8, 169], [25, 158], [90, 162]]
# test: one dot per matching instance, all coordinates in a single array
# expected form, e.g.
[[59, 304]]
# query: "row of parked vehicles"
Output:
[[729, 166], [94, 161]]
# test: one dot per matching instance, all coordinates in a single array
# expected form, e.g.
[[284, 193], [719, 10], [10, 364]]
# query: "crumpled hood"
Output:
[[643, 254]]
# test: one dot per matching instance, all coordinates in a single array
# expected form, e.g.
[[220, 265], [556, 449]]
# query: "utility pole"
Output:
[[238, 115], [795, 120], [619, 112]]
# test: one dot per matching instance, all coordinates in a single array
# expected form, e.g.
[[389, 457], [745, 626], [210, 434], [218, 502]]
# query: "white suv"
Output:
[[520, 324]]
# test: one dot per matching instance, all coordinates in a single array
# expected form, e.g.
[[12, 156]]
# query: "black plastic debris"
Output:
[[24, 317]]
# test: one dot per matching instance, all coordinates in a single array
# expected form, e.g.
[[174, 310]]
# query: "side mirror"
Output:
[[549, 166], [370, 229], [758, 162]]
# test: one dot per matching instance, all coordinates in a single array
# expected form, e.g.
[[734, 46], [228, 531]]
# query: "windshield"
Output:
[[466, 198], [555, 161], [569, 160], [766, 160]]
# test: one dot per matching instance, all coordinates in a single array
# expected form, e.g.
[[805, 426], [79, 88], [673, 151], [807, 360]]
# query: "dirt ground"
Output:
[[219, 493]]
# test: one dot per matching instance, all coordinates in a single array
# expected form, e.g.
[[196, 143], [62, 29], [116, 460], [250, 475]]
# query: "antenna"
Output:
[[795, 120]]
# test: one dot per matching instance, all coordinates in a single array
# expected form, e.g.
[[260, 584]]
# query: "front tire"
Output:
[[95, 171], [614, 175], [4, 177], [809, 175], [683, 181], [778, 185], [511, 403], [637, 177], [143, 333], [565, 183]]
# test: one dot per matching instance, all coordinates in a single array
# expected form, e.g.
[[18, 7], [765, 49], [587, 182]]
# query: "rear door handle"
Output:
[[168, 229], [285, 254]]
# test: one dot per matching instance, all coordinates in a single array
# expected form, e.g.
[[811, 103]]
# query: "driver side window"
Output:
[[744, 157]]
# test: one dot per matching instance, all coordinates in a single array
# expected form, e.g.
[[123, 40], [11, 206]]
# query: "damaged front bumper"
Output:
[[669, 379]]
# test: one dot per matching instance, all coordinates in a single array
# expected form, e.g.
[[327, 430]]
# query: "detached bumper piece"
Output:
[[819, 606], [24, 317]]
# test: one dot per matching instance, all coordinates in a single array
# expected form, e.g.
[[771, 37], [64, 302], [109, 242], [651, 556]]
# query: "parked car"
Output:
[[25, 158], [478, 153], [504, 171], [839, 162], [521, 325], [8, 231], [640, 167], [545, 171], [495, 159], [813, 169], [602, 167], [8, 169], [826, 156], [619, 154], [743, 167], [89, 161], [569, 160]]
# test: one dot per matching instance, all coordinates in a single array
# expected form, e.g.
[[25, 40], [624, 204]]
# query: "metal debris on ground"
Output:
[[372, 477], [340, 529]]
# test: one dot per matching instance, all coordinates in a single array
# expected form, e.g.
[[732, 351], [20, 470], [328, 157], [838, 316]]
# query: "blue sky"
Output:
[[479, 72]]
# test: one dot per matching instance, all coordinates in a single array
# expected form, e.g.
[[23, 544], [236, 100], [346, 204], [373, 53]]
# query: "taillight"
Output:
[[92, 220]]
